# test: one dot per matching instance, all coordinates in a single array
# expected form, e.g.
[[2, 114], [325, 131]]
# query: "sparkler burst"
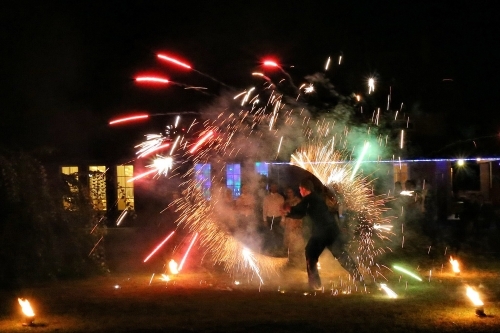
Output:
[[317, 155], [249, 127], [330, 166]]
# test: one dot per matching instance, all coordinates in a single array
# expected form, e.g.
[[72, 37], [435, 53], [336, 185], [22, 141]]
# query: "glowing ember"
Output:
[[454, 265], [371, 85], [26, 307], [165, 277], [172, 266], [309, 89], [389, 292], [270, 63]]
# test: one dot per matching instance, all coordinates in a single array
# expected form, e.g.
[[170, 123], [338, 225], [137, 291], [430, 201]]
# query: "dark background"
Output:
[[67, 68]]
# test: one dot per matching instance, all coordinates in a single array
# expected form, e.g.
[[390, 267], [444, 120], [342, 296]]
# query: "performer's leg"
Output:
[[314, 247]]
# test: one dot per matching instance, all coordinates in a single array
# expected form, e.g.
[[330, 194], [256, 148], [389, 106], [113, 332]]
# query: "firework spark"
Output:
[[250, 260], [407, 272], [238, 131], [159, 246], [330, 167], [187, 252], [327, 64], [172, 60], [389, 292], [371, 85], [152, 79], [128, 119]]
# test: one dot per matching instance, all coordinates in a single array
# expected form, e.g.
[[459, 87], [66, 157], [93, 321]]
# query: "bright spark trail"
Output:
[[389, 292], [407, 272], [247, 254], [128, 119], [187, 252], [159, 246], [151, 79], [249, 126], [360, 159], [172, 60]]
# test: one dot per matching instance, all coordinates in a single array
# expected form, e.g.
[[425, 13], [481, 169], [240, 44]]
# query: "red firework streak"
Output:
[[172, 60], [129, 119], [187, 252], [151, 79], [159, 246], [146, 153], [270, 63], [201, 141], [141, 175]]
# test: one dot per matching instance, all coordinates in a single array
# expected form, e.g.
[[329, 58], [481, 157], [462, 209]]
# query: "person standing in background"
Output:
[[293, 237], [271, 214]]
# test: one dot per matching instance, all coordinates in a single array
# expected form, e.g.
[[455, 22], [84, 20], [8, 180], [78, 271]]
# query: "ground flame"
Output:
[[474, 296], [26, 307], [454, 265]]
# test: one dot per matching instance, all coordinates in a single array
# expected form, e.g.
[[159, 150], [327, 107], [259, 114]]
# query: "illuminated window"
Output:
[[69, 200], [70, 171], [262, 168], [97, 186], [125, 188], [233, 178], [203, 181]]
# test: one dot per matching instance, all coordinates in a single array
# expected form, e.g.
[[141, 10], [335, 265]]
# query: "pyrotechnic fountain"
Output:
[[267, 124]]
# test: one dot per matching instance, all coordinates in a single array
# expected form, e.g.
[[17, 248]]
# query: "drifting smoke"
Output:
[[267, 124]]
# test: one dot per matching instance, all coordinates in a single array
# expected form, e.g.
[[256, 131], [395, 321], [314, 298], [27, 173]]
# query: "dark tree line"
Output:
[[41, 238]]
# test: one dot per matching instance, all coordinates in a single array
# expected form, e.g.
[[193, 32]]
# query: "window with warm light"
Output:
[[203, 179], [233, 178], [97, 186], [71, 171], [125, 187]]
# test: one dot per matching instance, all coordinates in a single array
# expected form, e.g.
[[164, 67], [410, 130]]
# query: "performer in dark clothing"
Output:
[[325, 233]]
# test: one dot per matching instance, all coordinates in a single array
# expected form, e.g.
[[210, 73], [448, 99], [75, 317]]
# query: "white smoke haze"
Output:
[[270, 126]]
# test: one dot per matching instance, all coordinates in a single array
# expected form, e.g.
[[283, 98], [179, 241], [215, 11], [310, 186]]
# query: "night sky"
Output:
[[67, 68]]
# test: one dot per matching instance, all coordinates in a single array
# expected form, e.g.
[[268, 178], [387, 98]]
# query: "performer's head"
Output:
[[306, 186]]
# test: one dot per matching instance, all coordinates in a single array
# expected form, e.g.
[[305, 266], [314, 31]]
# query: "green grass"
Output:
[[207, 300]]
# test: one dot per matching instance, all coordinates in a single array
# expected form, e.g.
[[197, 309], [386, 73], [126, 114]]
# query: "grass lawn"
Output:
[[205, 299]]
